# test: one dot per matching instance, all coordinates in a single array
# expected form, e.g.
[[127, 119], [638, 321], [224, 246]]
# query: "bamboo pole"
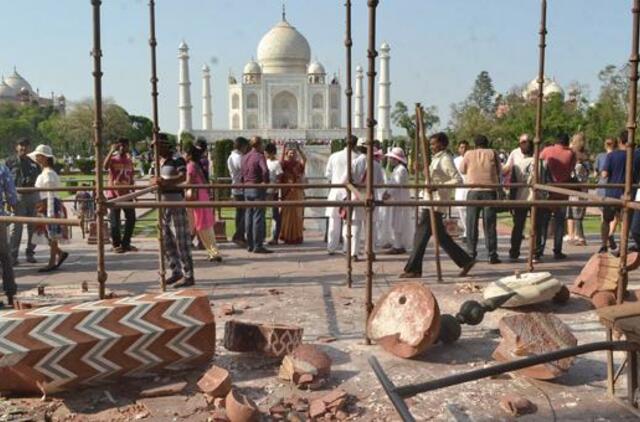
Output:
[[623, 278], [538, 135], [349, 92], [132, 195], [216, 186], [9, 219], [377, 203], [155, 132], [101, 209], [416, 173], [371, 124], [426, 164]]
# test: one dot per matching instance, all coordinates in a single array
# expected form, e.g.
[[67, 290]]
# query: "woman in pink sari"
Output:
[[203, 219], [293, 164]]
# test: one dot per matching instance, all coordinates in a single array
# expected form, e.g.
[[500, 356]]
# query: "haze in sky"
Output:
[[437, 47]]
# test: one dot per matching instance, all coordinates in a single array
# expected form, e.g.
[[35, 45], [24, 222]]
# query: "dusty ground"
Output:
[[310, 291]]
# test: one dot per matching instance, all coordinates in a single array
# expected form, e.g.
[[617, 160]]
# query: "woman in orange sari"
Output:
[[293, 164]]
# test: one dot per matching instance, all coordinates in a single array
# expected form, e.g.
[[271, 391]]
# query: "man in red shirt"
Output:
[[120, 167], [559, 161]]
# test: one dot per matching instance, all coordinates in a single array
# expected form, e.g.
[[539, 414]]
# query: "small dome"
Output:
[[284, 50], [549, 87], [183, 46], [252, 67], [205, 69], [6, 91], [17, 82], [61, 97], [385, 46], [359, 69], [316, 68]]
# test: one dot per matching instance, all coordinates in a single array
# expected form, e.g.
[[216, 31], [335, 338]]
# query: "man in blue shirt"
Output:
[[8, 202], [613, 171]]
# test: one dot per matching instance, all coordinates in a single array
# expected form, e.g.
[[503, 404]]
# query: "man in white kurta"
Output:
[[461, 193], [336, 173], [400, 219], [359, 174]]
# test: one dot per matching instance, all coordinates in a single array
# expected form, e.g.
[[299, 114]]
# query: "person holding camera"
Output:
[[119, 165]]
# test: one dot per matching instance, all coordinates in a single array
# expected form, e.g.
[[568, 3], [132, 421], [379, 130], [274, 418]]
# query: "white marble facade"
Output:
[[281, 94]]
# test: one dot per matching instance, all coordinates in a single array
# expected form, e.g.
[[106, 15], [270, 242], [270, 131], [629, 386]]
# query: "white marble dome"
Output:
[[17, 82], [316, 68], [284, 50], [6, 91], [252, 68], [549, 87]]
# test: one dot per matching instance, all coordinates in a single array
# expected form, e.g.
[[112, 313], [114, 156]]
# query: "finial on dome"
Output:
[[284, 11]]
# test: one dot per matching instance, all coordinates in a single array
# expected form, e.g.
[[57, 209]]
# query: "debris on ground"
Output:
[[516, 405], [227, 309], [164, 390], [274, 340], [326, 339], [241, 408], [216, 382], [336, 404], [534, 334], [406, 320], [468, 288], [306, 366]]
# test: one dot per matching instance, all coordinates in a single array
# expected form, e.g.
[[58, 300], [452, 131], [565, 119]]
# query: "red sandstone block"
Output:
[[58, 347]]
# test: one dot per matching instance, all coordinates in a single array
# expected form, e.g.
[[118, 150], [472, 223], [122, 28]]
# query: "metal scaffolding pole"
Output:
[[348, 42], [156, 130], [426, 168], [101, 208], [371, 124], [538, 135], [631, 133]]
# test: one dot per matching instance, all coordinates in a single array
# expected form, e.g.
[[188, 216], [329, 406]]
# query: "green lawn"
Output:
[[591, 223]]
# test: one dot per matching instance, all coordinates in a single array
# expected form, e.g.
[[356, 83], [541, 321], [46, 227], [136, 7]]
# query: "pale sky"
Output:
[[437, 47]]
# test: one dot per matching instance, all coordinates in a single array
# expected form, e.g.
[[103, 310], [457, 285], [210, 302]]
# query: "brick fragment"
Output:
[[216, 382]]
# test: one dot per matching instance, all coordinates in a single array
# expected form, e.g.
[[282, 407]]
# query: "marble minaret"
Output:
[[207, 113], [359, 100], [184, 92], [384, 99]]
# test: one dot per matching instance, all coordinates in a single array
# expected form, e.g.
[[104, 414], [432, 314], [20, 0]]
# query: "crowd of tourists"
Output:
[[260, 172]]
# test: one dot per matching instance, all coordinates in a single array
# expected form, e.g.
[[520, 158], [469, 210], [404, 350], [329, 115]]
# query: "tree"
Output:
[[483, 94], [607, 116], [400, 117], [18, 121], [73, 133]]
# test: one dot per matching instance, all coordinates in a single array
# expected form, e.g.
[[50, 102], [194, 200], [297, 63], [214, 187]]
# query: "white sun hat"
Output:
[[41, 150], [398, 154]]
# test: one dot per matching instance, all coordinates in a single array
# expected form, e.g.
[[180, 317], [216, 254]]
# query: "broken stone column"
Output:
[[307, 365], [600, 274], [529, 288], [275, 340], [533, 334], [406, 320], [55, 348]]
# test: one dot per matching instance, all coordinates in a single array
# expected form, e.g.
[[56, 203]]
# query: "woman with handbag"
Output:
[[50, 206], [203, 219]]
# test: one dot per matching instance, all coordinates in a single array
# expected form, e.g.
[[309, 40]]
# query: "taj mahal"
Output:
[[283, 94]]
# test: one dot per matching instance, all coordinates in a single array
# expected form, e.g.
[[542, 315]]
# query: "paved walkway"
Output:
[[310, 291]]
